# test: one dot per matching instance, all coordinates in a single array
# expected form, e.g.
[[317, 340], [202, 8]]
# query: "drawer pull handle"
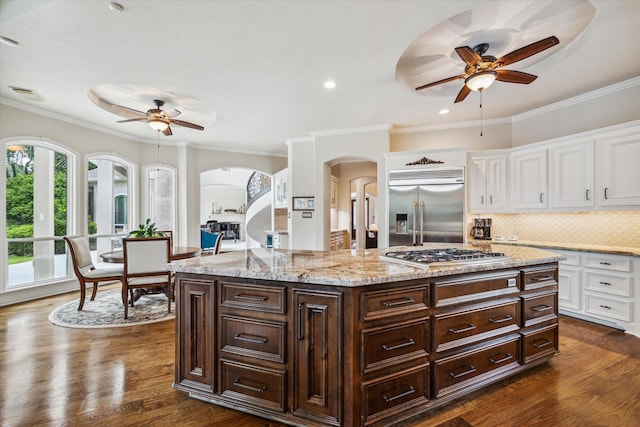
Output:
[[252, 339], [541, 278], [395, 347], [469, 370], [504, 358], [248, 387], [392, 398], [605, 283], [397, 302], [605, 306], [504, 318], [605, 263], [250, 298], [462, 329], [541, 307], [541, 343], [587, 194]]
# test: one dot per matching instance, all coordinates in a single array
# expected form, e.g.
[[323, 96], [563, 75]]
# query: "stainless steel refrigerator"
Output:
[[426, 206]]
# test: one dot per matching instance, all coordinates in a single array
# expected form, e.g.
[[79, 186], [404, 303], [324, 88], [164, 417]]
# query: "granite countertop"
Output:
[[347, 268], [582, 247]]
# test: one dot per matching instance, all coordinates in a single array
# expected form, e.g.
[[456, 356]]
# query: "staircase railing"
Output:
[[257, 185]]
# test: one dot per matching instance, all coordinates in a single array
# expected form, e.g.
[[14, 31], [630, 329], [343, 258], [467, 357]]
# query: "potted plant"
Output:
[[148, 229]]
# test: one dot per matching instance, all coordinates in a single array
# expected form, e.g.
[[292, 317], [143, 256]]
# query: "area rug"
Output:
[[106, 311]]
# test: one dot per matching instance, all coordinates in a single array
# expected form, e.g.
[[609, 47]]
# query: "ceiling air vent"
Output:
[[28, 94]]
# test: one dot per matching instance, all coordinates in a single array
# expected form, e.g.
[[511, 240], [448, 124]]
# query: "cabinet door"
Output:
[[317, 362], [529, 179], [478, 183], [619, 171], [569, 287], [571, 171], [195, 335], [497, 183]]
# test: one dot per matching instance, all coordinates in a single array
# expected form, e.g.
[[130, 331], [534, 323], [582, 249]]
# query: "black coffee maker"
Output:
[[481, 229]]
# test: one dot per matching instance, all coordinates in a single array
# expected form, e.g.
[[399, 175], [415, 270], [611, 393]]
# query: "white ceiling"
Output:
[[259, 66]]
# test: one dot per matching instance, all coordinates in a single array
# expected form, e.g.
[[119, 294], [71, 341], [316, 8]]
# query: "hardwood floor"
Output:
[[52, 376]]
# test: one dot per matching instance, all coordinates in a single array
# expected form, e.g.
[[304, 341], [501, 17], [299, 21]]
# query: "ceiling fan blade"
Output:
[[187, 124], [527, 51], [511, 76], [167, 131], [462, 94], [468, 55], [439, 82], [141, 119]]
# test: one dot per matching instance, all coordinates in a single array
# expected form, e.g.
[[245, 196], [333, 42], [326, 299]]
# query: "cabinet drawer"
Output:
[[571, 258], [603, 262], [456, 372], [254, 385], [539, 343], [252, 297], [608, 283], [474, 323], [392, 345], [475, 286], [539, 307], [386, 303], [254, 338], [395, 394], [539, 277], [608, 307]]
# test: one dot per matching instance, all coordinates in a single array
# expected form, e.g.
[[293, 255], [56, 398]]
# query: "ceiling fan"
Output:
[[157, 118], [482, 70]]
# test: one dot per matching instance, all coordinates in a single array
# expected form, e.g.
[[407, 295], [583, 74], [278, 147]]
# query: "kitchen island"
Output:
[[348, 338]]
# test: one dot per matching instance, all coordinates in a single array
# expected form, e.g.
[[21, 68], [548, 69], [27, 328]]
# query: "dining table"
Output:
[[175, 253]]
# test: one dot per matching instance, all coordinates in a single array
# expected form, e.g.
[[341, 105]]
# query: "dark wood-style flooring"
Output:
[[54, 376]]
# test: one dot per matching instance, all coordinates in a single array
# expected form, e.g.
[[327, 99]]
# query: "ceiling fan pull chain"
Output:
[[158, 151], [480, 113]]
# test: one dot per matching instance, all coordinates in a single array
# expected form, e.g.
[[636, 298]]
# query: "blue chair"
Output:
[[210, 241]]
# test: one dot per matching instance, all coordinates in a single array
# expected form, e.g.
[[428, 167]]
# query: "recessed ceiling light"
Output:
[[116, 7], [28, 94], [8, 41], [329, 84], [444, 111]]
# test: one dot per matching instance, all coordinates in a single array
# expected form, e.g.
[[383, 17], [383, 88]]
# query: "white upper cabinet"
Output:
[[619, 170], [571, 175], [487, 182], [529, 179]]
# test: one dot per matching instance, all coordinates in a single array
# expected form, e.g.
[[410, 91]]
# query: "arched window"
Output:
[[110, 187], [38, 209]]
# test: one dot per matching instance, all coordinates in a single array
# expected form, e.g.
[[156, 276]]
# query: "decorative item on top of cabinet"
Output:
[[334, 191], [529, 179], [488, 182]]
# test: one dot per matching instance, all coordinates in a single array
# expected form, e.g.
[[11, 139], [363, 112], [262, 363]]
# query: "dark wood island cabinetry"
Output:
[[371, 344]]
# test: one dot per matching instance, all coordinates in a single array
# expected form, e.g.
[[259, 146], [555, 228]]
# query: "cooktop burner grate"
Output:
[[447, 256]]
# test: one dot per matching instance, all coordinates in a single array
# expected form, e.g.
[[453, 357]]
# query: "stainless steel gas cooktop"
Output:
[[444, 257]]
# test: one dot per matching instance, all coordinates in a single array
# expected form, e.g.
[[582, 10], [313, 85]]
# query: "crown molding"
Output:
[[578, 99], [452, 125], [348, 131]]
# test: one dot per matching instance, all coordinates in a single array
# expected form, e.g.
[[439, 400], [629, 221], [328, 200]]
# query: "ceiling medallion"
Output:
[[425, 161]]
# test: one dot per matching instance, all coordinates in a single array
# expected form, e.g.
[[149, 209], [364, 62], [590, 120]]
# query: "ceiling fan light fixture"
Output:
[[480, 81], [158, 124]]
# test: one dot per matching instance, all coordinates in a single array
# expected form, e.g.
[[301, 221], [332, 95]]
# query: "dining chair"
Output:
[[145, 261], [85, 271], [169, 234]]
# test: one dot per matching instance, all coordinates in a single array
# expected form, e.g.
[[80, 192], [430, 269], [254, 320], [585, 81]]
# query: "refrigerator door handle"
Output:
[[415, 208], [421, 222]]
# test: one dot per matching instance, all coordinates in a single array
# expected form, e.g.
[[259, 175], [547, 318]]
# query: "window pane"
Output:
[[108, 192], [161, 191], [36, 211]]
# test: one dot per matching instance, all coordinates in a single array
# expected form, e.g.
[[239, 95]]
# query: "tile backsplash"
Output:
[[610, 228]]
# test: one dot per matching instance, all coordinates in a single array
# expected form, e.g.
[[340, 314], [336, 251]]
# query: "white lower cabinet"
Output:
[[602, 288]]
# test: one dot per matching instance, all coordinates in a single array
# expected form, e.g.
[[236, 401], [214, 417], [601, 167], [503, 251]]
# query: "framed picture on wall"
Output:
[[303, 203]]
